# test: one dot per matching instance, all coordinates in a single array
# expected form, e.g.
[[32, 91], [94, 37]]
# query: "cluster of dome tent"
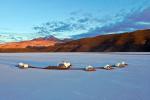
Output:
[[67, 65]]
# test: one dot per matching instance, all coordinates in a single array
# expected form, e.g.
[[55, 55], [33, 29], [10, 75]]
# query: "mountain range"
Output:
[[137, 41], [38, 43]]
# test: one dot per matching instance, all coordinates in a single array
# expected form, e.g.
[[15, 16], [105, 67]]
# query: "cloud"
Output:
[[123, 22], [77, 23], [139, 15]]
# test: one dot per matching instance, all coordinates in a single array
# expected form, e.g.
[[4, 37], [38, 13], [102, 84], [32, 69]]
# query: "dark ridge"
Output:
[[138, 41]]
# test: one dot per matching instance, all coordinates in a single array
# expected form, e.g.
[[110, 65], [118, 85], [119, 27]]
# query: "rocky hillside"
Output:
[[138, 41], [125, 42]]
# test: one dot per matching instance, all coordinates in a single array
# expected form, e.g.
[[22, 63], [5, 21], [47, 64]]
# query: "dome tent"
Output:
[[108, 67], [90, 68], [23, 65], [65, 65], [120, 65]]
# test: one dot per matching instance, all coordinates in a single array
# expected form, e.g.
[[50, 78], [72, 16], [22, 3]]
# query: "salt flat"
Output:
[[130, 83]]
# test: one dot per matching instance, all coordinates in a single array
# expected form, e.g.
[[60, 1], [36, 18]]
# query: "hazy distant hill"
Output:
[[35, 43], [138, 41]]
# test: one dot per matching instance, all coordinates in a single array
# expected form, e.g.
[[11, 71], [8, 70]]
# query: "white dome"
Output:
[[89, 67], [25, 65], [21, 64], [118, 64], [106, 66], [67, 64]]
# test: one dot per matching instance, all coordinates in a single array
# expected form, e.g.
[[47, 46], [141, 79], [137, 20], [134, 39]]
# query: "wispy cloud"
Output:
[[136, 19], [81, 24], [77, 23]]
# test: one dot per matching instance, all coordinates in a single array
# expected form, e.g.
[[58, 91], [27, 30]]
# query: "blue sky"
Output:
[[73, 17]]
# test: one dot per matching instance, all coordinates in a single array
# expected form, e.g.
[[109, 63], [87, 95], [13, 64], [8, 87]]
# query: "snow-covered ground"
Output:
[[130, 83]]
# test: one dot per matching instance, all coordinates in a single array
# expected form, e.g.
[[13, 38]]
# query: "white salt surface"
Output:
[[130, 83]]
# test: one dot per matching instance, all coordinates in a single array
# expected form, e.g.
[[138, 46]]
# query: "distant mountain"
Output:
[[35, 43], [17, 37], [50, 38], [137, 41]]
